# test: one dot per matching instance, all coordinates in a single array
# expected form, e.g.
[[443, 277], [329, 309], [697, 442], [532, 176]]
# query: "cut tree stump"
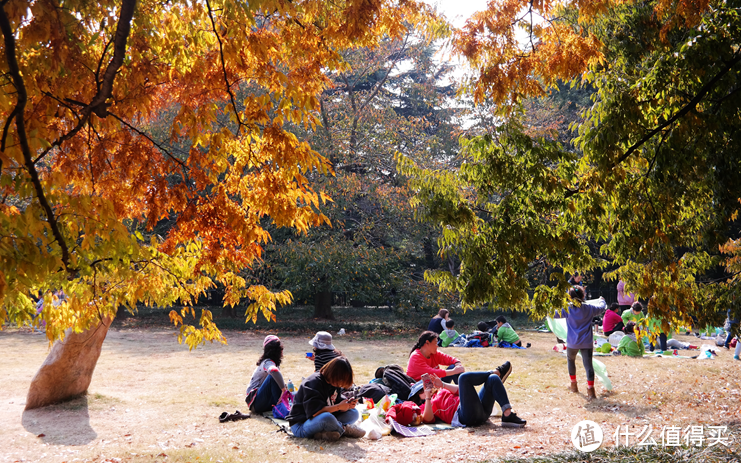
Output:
[[68, 369]]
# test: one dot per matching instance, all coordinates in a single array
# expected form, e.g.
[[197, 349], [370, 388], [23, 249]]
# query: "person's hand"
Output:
[[436, 382], [347, 404], [458, 370]]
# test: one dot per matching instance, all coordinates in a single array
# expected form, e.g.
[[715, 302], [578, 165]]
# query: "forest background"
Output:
[[295, 152]]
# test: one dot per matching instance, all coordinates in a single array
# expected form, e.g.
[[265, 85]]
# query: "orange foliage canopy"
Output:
[[85, 179], [518, 48]]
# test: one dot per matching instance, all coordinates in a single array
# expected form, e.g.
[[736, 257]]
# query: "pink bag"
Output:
[[283, 407]]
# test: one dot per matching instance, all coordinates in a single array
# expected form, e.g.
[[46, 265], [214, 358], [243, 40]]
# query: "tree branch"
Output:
[[686, 109], [105, 88], [223, 68], [20, 123]]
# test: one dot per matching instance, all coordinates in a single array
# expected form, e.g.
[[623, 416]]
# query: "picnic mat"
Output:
[[405, 431]]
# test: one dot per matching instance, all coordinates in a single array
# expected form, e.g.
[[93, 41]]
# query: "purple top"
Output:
[[579, 322]]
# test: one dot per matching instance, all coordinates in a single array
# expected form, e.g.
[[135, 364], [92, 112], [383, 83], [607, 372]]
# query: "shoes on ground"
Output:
[[329, 436], [504, 370], [513, 421], [353, 431], [574, 387], [236, 416]]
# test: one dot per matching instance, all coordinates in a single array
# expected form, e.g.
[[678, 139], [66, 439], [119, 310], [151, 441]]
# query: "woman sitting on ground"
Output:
[[437, 324], [267, 385], [424, 358], [319, 411], [462, 405], [324, 350], [612, 321]]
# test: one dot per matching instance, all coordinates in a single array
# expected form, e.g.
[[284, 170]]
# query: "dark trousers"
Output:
[[619, 327], [475, 408], [586, 358], [267, 396], [451, 379]]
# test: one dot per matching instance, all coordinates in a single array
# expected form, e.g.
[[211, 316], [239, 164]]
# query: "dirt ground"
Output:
[[153, 400]]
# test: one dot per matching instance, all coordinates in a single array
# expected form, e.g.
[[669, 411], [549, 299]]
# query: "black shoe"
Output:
[[504, 370], [528, 345], [224, 417], [513, 421]]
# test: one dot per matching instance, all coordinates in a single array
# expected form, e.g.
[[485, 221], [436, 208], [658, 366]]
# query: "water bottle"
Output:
[[290, 386]]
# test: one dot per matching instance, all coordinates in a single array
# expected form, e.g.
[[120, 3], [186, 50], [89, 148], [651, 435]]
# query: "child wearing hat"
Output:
[[267, 385], [324, 350]]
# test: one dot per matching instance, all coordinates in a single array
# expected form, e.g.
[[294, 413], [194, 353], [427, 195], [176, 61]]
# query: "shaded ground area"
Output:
[[374, 321], [152, 400]]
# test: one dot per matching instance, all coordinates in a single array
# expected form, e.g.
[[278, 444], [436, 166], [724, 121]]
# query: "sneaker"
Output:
[[353, 431], [735, 357], [329, 436], [504, 370], [513, 421]]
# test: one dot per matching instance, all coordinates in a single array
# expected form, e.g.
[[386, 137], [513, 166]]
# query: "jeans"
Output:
[[586, 358], [451, 379], [325, 422], [475, 408], [267, 396]]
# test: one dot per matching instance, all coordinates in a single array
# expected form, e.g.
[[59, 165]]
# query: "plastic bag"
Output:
[[375, 426]]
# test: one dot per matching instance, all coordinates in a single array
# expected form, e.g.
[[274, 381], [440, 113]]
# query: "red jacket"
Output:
[[418, 364]]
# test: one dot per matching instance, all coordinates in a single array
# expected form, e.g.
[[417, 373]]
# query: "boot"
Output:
[[574, 387], [591, 393]]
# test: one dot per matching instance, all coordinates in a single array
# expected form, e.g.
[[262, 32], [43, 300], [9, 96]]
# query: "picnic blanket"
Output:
[[405, 431]]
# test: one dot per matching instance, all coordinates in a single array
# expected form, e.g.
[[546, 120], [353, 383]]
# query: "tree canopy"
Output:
[[651, 174], [85, 182]]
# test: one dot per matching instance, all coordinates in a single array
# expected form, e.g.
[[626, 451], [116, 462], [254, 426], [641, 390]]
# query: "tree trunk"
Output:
[[68, 369], [323, 305]]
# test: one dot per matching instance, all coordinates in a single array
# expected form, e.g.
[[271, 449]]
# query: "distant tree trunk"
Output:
[[323, 305], [68, 369]]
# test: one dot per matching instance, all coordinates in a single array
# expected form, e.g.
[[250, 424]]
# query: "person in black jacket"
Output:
[[319, 411]]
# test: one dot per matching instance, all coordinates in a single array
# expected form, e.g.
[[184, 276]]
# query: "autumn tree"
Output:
[[655, 176], [84, 182]]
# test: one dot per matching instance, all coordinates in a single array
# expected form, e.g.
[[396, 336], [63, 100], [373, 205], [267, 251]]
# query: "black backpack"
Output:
[[399, 382]]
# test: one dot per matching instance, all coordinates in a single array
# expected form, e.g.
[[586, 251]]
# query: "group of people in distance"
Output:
[[443, 326], [320, 410]]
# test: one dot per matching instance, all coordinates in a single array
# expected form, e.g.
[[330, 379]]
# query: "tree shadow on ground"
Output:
[[63, 424]]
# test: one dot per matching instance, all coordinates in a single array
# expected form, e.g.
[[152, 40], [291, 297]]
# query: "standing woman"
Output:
[[625, 300], [319, 411], [267, 385], [437, 324], [579, 338]]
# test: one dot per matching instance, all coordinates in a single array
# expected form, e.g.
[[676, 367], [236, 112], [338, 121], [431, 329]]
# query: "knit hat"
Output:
[[322, 340], [270, 338]]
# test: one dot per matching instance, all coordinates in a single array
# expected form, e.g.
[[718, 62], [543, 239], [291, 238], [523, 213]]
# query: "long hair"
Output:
[[423, 338], [442, 313], [273, 351]]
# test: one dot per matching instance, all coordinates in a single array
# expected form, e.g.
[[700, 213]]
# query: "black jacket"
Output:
[[314, 394]]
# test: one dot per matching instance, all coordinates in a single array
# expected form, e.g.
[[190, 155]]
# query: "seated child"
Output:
[[449, 334], [629, 344], [506, 333]]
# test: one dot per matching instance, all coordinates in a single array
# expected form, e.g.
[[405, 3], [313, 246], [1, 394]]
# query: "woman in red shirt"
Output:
[[425, 358], [612, 320], [462, 405]]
